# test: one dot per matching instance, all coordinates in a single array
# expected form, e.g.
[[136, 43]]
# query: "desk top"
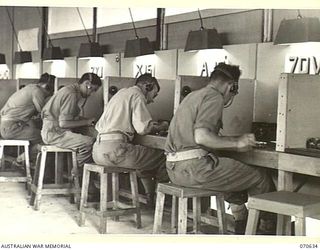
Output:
[[262, 157]]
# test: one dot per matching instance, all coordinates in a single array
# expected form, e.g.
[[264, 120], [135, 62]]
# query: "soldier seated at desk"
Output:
[[20, 116], [194, 133], [125, 115]]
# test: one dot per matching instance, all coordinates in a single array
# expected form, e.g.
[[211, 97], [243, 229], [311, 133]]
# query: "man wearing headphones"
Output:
[[20, 118], [61, 117], [125, 115], [193, 137]]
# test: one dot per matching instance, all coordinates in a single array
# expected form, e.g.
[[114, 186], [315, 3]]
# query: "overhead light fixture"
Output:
[[2, 59], [92, 48], [203, 38], [138, 46], [22, 57], [19, 56], [50, 53], [298, 30]]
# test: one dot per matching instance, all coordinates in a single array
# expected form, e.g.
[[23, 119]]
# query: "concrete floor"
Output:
[[57, 216]]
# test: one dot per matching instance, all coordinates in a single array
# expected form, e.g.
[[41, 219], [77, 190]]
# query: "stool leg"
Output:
[[28, 172], [174, 217], [300, 226], [75, 177], [252, 222], [196, 208], [58, 166], [103, 203], [135, 197], [1, 157], [40, 180], [283, 225], [115, 192], [182, 215], [158, 213], [221, 214], [35, 179], [84, 195]]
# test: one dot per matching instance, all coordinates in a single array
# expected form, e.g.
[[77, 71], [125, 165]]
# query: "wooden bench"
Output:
[[16, 143], [183, 193], [285, 203], [38, 188], [113, 208]]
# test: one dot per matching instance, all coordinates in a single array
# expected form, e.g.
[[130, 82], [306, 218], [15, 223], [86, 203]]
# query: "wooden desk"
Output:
[[286, 164]]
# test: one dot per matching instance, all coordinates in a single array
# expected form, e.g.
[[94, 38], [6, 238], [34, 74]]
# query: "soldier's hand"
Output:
[[246, 142]]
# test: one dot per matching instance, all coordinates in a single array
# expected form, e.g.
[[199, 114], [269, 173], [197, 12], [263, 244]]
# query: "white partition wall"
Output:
[[61, 68], [112, 64], [162, 65], [27, 70]]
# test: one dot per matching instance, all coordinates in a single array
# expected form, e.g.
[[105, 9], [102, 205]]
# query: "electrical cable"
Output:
[[134, 27], [14, 31], [83, 25]]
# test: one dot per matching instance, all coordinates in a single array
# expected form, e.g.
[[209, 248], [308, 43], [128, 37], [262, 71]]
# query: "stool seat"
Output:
[[115, 208], [285, 203], [52, 148], [39, 188], [17, 143], [4, 142], [183, 193]]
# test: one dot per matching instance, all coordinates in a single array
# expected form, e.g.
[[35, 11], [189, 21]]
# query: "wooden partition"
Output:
[[61, 82], [7, 88], [237, 119], [298, 110], [161, 109], [22, 82]]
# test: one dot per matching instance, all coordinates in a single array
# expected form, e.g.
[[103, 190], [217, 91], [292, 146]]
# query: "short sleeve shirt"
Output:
[[63, 106], [126, 113], [200, 109], [24, 104]]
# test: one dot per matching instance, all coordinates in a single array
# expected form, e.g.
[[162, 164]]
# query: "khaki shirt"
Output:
[[24, 104], [63, 106], [200, 109], [126, 113]]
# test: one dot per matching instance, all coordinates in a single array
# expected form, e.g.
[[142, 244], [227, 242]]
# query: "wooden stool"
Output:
[[39, 188], [117, 208], [183, 193], [16, 143], [284, 203]]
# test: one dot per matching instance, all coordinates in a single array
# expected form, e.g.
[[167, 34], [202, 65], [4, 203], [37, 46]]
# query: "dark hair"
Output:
[[92, 77], [47, 78], [225, 71], [148, 80]]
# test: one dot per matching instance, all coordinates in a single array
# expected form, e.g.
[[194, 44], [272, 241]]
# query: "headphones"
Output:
[[149, 86], [234, 88], [90, 80]]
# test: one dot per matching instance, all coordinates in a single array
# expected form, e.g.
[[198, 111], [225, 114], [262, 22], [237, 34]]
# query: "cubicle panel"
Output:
[[61, 82], [94, 105], [161, 109], [185, 85], [114, 84], [237, 119], [22, 82], [298, 110], [7, 88]]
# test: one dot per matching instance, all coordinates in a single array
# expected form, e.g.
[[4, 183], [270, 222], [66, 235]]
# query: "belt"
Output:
[[186, 155], [112, 137]]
